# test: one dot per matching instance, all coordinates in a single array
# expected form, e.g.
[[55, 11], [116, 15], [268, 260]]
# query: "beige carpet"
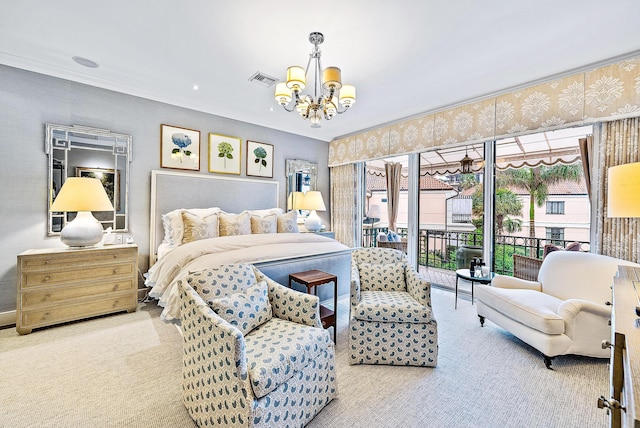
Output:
[[124, 370]]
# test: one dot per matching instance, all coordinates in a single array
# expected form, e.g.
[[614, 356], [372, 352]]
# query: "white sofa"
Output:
[[566, 311]]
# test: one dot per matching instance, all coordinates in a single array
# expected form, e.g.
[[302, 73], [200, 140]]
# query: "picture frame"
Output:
[[225, 154], [179, 148], [110, 179], [259, 159]]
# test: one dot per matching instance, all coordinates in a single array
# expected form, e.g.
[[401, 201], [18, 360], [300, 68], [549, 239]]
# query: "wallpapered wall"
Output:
[[604, 93], [29, 100]]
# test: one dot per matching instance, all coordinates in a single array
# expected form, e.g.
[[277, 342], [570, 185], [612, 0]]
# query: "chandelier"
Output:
[[328, 93]]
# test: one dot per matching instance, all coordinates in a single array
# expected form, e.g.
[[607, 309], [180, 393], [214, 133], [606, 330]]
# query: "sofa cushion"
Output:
[[383, 277], [390, 306], [247, 309], [529, 307], [278, 349]]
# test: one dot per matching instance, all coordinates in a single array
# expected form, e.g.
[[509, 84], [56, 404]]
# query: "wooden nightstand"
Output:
[[313, 279], [61, 284]]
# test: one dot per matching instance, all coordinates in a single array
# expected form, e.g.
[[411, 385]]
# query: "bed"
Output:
[[186, 209]]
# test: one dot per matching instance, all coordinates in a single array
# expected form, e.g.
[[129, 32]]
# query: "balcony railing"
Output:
[[438, 248]]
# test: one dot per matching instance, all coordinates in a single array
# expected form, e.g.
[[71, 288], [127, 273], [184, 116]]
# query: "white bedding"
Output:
[[197, 255]]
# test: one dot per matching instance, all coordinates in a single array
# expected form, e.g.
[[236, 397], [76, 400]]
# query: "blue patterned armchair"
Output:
[[390, 319], [255, 353]]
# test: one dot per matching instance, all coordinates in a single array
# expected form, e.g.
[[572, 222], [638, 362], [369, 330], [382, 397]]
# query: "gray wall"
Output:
[[29, 100]]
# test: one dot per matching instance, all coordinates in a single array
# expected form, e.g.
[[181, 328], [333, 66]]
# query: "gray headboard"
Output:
[[172, 190]]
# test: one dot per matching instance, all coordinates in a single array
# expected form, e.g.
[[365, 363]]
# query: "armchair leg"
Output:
[[547, 361], [481, 320]]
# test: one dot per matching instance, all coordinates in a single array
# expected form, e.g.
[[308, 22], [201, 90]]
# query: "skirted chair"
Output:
[[390, 316], [255, 353], [566, 311]]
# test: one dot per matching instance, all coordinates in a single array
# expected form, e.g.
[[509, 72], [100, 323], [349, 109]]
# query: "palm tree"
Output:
[[507, 203], [536, 181]]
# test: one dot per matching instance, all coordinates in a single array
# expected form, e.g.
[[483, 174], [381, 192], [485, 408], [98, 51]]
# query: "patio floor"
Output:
[[446, 280]]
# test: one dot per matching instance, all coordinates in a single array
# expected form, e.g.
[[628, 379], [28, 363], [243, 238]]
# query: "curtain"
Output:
[[586, 153], [343, 203], [393, 170], [618, 237]]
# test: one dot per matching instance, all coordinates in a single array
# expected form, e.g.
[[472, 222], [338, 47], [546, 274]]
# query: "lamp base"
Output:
[[83, 231], [313, 223]]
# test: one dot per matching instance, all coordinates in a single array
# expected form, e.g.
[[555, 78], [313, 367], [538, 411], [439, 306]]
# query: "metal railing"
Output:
[[438, 248]]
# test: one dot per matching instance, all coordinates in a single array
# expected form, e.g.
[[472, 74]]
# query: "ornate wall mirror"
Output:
[[301, 177], [80, 151]]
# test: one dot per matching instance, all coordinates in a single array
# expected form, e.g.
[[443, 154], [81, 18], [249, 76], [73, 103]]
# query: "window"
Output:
[[555, 207], [555, 235]]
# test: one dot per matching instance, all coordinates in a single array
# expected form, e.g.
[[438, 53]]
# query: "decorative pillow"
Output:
[[196, 228], [266, 212], [382, 237], [174, 227], [393, 237], [382, 277], [246, 310], [288, 223], [235, 224], [550, 248], [266, 224]]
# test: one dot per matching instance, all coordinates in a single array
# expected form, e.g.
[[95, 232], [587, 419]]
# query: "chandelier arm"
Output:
[[293, 107]]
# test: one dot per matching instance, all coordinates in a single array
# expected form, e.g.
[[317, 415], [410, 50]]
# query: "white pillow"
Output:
[[288, 223], [234, 224], [266, 224]]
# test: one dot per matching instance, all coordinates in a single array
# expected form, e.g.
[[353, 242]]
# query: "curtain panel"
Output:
[[607, 93], [343, 203], [618, 237]]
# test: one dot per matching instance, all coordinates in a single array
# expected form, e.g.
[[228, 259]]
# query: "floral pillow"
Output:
[[266, 224], [382, 277], [196, 227], [174, 227], [246, 310], [288, 223], [235, 224]]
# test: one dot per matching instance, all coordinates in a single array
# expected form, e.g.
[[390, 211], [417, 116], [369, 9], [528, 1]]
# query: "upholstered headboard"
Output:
[[172, 190]]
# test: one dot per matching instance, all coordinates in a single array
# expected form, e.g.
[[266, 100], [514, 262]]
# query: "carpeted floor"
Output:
[[124, 370]]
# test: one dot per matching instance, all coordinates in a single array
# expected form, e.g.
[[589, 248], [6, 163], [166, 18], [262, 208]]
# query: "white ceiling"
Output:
[[405, 57]]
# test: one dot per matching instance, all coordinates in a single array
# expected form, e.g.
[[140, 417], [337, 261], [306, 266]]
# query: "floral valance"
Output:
[[606, 93]]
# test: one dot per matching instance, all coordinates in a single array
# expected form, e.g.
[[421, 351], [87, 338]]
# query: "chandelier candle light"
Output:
[[323, 102]]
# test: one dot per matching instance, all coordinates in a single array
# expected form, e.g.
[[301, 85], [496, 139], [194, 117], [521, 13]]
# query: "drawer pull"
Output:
[[116, 287], [46, 278], [46, 262], [115, 270]]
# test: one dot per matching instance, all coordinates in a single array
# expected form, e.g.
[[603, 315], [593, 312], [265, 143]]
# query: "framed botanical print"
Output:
[[179, 148], [259, 159], [224, 154]]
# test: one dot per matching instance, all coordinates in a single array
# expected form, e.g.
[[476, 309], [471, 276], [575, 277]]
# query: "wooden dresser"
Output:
[[62, 284], [624, 401]]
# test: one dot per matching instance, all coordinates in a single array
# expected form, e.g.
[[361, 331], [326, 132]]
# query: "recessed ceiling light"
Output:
[[85, 62], [195, 87]]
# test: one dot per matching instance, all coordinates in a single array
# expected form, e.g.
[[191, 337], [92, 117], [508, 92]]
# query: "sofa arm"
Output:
[[503, 281], [206, 368], [418, 287], [355, 285], [572, 307], [292, 305]]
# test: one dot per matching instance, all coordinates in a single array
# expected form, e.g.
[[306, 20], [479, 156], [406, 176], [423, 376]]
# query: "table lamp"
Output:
[[313, 201], [294, 200], [623, 192], [82, 195]]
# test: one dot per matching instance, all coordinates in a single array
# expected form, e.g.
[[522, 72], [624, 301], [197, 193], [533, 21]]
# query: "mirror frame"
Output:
[[297, 165], [121, 146]]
